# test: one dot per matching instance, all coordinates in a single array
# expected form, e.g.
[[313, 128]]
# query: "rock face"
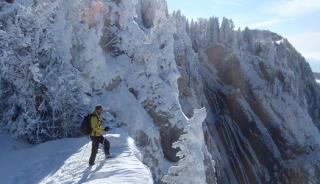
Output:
[[262, 129]]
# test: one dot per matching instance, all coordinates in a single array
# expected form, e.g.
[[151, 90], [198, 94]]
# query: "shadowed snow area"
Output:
[[59, 161]]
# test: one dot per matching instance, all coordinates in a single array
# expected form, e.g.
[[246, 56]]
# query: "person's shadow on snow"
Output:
[[88, 173]]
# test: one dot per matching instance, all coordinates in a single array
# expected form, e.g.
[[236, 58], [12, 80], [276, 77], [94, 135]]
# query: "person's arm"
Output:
[[95, 125]]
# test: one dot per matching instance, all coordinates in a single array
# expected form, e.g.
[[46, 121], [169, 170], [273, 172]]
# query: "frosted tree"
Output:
[[203, 35], [196, 39], [190, 168], [268, 51], [231, 24], [226, 32], [248, 40], [46, 90], [165, 7], [21, 67], [213, 30], [257, 45], [238, 41], [216, 30], [191, 30], [161, 34], [180, 22], [231, 33], [187, 26], [209, 31], [148, 9]]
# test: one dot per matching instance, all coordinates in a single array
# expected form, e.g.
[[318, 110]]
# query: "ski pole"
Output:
[[84, 152]]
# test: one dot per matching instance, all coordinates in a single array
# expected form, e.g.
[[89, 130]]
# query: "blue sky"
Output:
[[297, 20]]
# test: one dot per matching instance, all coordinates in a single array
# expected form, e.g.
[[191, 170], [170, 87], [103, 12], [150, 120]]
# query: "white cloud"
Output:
[[260, 24], [308, 44], [296, 7]]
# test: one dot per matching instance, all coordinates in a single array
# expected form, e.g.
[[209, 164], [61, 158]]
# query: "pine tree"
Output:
[[231, 33], [180, 23], [238, 41], [187, 27], [210, 31], [165, 5], [248, 40], [202, 22], [231, 24], [216, 33], [268, 51], [226, 32], [148, 9], [192, 29]]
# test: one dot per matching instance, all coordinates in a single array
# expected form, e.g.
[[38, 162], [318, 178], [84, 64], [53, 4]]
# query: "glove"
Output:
[[106, 128]]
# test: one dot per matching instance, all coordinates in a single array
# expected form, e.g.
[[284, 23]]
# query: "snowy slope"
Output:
[[59, 161]]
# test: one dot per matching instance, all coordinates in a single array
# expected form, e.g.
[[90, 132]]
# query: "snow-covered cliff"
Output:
[[204, 103]]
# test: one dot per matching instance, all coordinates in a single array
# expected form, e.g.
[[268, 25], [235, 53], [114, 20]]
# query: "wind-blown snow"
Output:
[[59, 161]]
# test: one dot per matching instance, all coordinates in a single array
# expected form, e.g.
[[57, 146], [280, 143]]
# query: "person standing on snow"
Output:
[[96, 136]]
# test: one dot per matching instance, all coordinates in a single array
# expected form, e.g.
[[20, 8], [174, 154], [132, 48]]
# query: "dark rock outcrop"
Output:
[[252, 129]]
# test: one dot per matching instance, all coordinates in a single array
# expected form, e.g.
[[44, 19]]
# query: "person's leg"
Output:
[[106, 145], [94, 151]]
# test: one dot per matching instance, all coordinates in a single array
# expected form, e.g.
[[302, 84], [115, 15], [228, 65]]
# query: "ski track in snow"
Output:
[[59, 161]]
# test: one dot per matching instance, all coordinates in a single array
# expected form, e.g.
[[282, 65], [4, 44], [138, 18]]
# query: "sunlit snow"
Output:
[[59, 161]]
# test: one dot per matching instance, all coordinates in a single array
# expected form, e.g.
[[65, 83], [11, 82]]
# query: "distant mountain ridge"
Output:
[[314, 64]]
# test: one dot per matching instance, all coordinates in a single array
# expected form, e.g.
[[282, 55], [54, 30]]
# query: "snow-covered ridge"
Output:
[[59, 161]]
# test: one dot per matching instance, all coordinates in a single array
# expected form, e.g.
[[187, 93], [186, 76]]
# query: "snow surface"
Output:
[[59, 161], [318, 81]]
